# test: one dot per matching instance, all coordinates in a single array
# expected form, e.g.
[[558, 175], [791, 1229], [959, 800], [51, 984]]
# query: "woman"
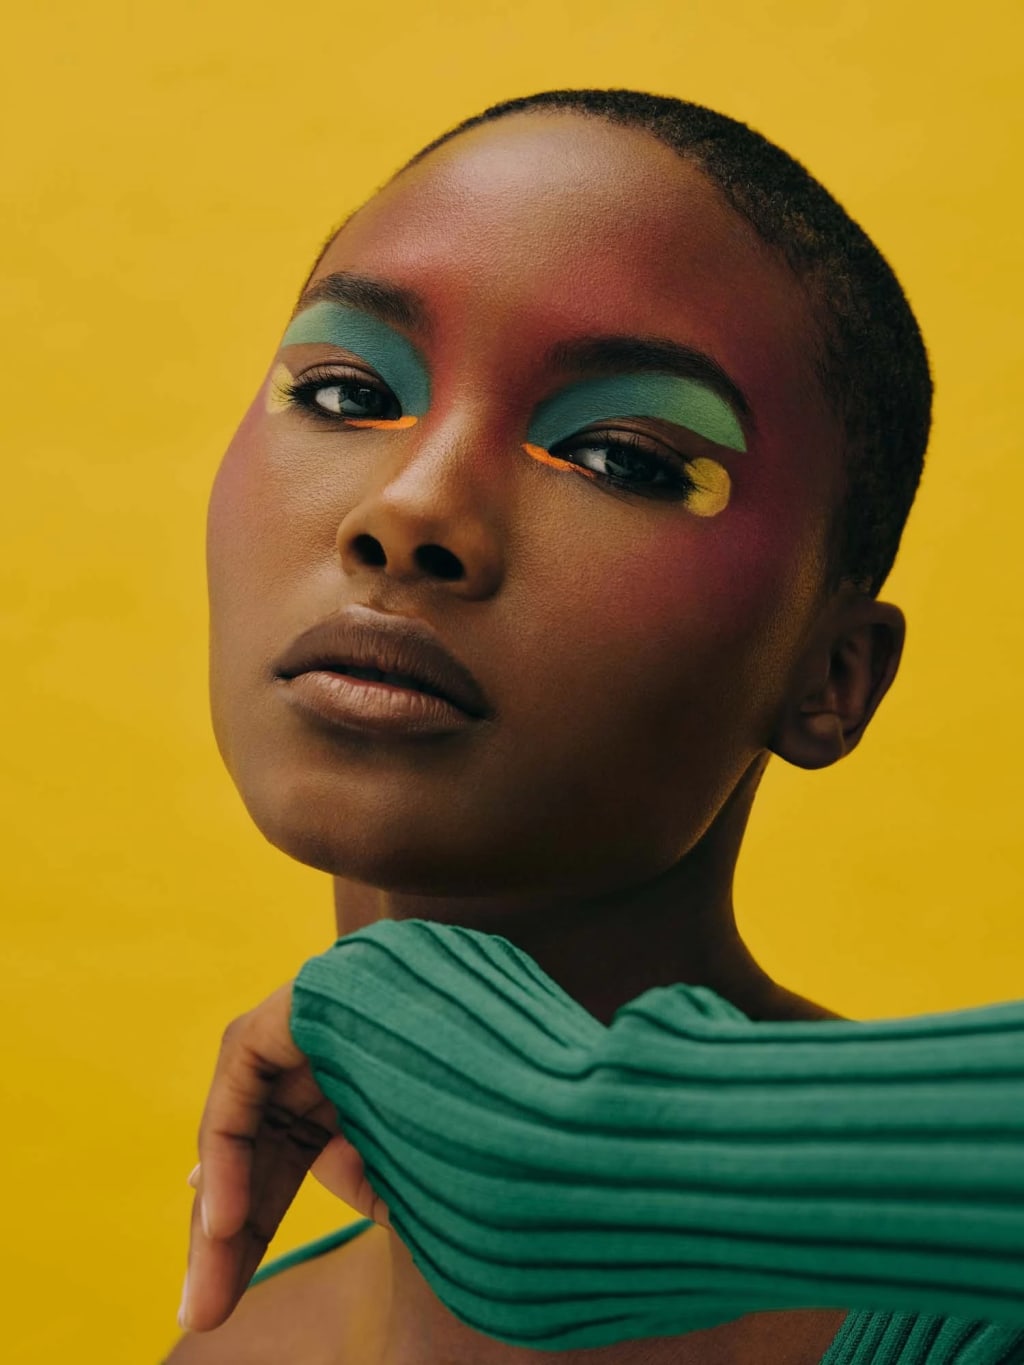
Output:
[[589, 447]]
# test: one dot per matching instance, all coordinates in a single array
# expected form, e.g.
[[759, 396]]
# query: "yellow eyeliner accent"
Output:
[[539, 453], [713, 487], [280, 378], [383, 423]]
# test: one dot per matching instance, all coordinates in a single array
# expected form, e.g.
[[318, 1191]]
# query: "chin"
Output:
[[385, 850], [430, 835], [394, 852]]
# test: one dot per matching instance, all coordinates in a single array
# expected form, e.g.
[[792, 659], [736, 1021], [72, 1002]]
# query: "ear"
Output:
[[844, 672]]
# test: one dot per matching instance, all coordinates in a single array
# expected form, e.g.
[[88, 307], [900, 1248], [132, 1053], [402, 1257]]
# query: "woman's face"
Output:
[[636, 639]]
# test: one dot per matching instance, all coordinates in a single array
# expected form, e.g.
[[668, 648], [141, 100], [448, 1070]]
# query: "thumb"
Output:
[[339, 1168]]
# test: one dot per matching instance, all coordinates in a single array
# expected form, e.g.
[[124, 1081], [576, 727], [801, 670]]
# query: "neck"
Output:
[[604, 950], [416, 1329]]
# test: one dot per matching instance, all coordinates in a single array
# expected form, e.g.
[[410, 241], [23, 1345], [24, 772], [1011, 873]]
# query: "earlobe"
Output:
[[840, 680], [818, 741]]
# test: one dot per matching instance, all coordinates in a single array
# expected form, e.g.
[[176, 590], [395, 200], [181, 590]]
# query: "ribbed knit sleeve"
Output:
[[565, 1184]]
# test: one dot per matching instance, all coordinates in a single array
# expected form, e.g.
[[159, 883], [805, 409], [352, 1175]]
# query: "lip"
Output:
[[359, 637], [357, 704]]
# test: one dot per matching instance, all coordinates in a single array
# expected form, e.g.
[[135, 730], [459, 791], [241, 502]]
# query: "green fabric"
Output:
[[310, 1250], [562, 1184]]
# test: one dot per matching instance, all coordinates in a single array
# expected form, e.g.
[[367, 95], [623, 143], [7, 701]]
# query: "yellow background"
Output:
[[170, 171]]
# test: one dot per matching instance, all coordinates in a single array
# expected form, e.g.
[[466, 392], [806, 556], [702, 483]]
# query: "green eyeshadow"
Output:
[[392, 355], [684, 402]]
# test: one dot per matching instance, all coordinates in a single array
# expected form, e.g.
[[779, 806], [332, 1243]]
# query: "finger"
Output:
[[286, 1147], [213, 1274], [339, 1168], [221, 1268], [378, 1209], [256, 1050], [282, 1150]]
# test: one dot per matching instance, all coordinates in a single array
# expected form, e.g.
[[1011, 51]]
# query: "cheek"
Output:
[[711, 583], [707, 612], [257, 519], [249, 558], [230, 511], [675, 636], [228, 536]]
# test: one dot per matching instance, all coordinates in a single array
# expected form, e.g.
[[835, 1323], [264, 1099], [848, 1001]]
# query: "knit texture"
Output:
[[565, 1184]]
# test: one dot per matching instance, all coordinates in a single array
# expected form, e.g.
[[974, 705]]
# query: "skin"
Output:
[[596, 819]]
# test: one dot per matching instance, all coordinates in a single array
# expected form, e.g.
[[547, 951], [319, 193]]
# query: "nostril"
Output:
[[437, 560], [369, 550]]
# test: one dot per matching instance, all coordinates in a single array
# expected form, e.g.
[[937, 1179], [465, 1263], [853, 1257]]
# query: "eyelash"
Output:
[[302, 394], [680, 484]]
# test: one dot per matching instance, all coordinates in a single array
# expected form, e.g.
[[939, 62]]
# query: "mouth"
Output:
[[396, 651], [376, 675]]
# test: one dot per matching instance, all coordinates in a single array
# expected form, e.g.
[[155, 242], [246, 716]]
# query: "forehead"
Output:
[[544, 226], [582, 205]]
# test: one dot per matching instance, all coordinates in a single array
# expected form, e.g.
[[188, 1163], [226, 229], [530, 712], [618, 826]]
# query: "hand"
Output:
[[265, 1125]]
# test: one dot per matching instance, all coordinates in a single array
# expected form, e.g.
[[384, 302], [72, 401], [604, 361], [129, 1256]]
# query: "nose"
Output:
[[430, 522]]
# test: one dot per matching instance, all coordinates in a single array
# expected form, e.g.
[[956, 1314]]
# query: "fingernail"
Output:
[[183, 1310], [193, 1179], [203, 1217]]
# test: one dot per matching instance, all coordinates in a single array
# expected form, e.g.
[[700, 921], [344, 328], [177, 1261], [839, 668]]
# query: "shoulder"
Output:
[[313, 1313]]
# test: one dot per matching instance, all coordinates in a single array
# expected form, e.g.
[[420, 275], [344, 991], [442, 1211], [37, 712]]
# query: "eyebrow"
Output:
[[629, 353], [389, 302], [405, 308]]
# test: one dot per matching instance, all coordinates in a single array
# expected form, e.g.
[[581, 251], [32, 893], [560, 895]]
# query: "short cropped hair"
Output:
[[869, 357]]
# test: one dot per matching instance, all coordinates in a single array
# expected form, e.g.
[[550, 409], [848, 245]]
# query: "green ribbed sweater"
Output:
[[561, 1183]]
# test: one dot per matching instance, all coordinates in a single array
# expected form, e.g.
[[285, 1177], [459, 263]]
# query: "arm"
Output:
[[561, 1184]]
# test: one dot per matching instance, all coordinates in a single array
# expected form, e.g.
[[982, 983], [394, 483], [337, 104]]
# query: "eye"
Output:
[[626, 460], [351, 395]]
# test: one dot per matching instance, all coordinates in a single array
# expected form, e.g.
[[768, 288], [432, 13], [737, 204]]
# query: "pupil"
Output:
[[363, 398], [630, 462]]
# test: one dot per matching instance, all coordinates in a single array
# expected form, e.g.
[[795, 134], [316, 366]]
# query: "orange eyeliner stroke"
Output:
[[381, 423], [545, 457]]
